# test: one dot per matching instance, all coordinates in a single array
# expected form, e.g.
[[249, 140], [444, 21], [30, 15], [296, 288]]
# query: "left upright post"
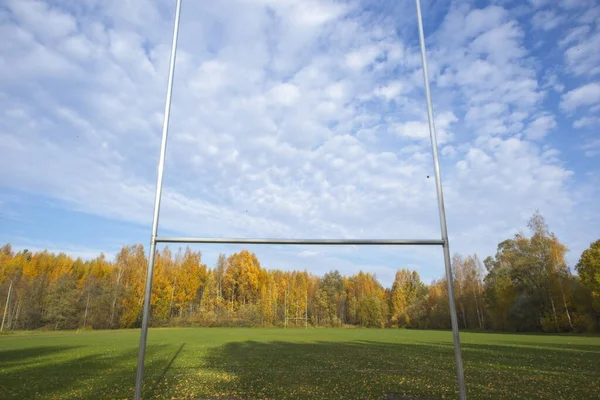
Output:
[[161, 166]]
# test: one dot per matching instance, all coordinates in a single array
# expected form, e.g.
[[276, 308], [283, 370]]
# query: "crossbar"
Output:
[[334, 242]]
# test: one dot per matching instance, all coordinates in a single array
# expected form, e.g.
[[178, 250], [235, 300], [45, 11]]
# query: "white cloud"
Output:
[[547, 20], [413, 129], [583, 58], [552, 81], [511, 171], [308, 12], [573, 4], [591, 148], [336, 91], [360, 58], [308, 253], [73, 250], [586, 95], [540, 127], [285, 94], [499, 88], [479, 21], [586, 122], [499, 44], [419, 130], [45, 21], [538, 3], [449, 151], [590, 15], [574, 35], [391, 90]]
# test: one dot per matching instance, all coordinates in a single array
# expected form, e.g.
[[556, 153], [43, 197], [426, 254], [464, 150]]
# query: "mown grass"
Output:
[[297, 364]]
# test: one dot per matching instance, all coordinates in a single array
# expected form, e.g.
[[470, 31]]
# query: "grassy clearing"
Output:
[[297, 364]]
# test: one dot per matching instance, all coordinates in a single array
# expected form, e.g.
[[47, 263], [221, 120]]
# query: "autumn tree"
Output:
[[128, 281], [437, 311], [468, 275], [406, 297], [240, 279], [189, 282], [163, 286]]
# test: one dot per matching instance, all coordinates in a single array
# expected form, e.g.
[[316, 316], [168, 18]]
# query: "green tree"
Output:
[[61, 307], [588, 269], [330, 298], [367, 303], [531, 274]]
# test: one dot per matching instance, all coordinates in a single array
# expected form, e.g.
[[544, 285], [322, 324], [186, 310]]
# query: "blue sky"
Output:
[[299, 118]]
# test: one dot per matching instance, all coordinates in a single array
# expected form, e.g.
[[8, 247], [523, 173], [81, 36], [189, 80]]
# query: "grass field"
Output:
[[297, 364]]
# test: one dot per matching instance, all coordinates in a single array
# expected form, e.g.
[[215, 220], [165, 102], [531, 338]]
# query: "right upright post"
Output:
[[438, 183]]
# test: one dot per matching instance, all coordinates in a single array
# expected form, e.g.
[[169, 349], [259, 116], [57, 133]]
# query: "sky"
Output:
[[299, 119]]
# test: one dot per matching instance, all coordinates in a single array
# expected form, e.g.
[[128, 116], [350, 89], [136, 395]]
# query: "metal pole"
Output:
[[440, 197], [285, 309], [6, 305], [87, 305], [332, 242], [306, 311], [161, 165]]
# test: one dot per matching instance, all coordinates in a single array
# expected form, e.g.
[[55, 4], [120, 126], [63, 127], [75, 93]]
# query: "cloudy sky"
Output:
[[299, 118]]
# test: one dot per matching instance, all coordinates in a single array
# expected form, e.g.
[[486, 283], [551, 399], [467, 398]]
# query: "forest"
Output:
[[526, 286]]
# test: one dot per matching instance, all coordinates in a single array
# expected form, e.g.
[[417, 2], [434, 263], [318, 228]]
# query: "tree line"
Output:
[[525, 286]]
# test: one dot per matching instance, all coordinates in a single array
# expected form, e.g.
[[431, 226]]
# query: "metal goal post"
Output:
[[335, 242]]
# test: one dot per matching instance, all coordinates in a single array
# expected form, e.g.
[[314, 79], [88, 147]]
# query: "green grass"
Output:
[[297, 364]]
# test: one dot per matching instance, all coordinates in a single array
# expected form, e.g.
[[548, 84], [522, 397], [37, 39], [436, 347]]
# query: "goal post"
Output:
[[443, 242], [304, 318]]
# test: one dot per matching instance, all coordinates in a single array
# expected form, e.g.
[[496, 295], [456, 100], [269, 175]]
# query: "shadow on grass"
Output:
[[375, 370], [574, 347], [326, 370], [23, 356], [154, 389], [60, 372]]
